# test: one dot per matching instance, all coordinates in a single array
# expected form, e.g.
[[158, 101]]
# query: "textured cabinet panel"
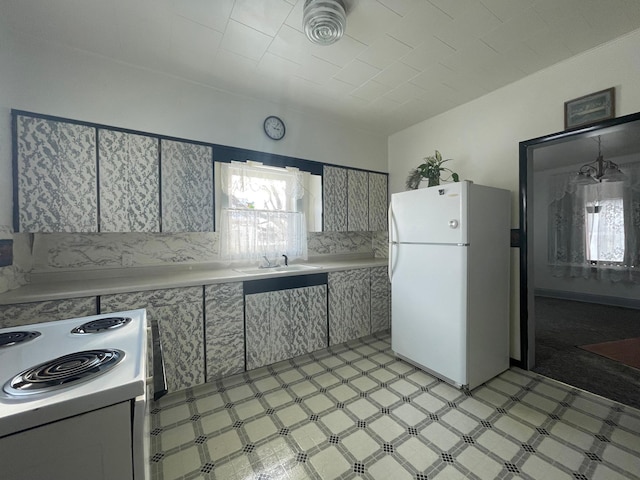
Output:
[[380, 299], [258, 330], [334, 199], [179, 315], [349, 305], [224, 329], [357, 201], [378, 204], [282, 331], [316, 324], [285, 323], [187, 187], [56, 176], [27, 313], [129, 182]]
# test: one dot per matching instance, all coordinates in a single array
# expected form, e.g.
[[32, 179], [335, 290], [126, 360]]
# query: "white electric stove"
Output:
[[73, 398]]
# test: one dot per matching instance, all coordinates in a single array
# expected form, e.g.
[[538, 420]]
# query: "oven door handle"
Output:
[[159, 374]]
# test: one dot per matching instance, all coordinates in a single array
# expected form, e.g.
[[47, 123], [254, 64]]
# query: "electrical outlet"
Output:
[[127, 259]]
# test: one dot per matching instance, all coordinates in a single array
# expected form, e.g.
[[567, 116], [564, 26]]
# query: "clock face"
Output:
[[274, 127]]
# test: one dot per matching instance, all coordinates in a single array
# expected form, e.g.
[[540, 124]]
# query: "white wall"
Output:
[[55, 80], [482, 136]]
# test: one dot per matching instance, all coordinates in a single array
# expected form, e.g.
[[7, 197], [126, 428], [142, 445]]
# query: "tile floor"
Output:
[[355, 411]]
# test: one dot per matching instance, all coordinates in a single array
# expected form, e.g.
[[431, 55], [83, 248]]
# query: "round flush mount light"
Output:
[[324, 21]]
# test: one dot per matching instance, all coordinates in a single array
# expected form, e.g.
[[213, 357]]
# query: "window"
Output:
[[594, 229], [604, 224], [263, 212], [604, 228]]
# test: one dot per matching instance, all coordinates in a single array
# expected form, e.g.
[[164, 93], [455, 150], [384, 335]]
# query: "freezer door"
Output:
[[430, 215], [429, 308]]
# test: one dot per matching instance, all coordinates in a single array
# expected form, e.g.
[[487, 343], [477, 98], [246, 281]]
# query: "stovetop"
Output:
[[83, 363]]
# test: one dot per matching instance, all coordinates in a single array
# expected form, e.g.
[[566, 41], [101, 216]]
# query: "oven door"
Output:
[[94, 445]]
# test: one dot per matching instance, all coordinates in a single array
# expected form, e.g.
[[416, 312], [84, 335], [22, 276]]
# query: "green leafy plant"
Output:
[[431, 169]]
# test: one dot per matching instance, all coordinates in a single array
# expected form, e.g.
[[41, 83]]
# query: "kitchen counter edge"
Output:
[[164, 279]]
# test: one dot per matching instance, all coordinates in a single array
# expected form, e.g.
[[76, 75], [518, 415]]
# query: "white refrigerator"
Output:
[[449, 271]]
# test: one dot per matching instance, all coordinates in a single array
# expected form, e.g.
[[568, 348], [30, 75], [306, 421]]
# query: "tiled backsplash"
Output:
[[59, 252]]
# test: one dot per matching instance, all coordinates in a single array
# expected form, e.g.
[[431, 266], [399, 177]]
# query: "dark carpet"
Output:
[[563, 325]]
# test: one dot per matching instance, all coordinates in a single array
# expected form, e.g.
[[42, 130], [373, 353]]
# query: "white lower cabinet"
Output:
[[178, 313], [224, 329], [349, 305], [283, 324]]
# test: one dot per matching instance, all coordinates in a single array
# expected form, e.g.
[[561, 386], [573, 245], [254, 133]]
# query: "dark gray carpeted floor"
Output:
[[563, 325]]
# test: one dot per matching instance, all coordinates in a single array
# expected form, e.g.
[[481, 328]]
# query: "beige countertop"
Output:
[[58, 286]]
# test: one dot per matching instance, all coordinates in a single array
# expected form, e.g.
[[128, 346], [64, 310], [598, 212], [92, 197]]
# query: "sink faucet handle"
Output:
[[286, 259], [267, 261]]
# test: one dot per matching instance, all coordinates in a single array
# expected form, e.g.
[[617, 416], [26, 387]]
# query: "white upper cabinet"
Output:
[[187, 187], [56, 178], [129, 182]]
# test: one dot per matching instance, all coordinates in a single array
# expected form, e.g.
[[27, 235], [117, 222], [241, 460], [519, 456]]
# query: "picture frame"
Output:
[[590, 108]]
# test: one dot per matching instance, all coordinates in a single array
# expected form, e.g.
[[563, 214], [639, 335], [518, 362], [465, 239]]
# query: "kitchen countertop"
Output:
[[59, 286]]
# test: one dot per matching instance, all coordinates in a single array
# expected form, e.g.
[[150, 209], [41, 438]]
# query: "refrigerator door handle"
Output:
[[392, 243]]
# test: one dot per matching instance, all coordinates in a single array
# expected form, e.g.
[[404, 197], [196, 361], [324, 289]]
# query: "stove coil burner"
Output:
[[101, 325], [64, 371], [9, 339]]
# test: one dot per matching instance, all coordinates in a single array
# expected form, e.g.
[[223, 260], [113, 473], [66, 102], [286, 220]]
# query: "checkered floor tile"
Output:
[[356, 411]]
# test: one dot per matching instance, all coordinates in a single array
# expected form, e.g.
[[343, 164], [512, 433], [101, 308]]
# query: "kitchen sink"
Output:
[[280, 269]]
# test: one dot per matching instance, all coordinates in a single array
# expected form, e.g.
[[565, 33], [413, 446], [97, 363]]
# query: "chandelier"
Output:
[[324, 21], [600, 170]]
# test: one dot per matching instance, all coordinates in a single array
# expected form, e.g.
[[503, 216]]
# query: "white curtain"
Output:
[[259, 217], [594, 229]]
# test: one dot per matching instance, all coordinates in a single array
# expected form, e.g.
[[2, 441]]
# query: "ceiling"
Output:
[[401, 61]]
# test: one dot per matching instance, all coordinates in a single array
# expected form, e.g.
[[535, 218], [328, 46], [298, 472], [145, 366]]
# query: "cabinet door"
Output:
[[129, 182], [27, 313], [258, 329], [224, 329], [316, 325], [179, 316], [56, 178], [187, 187], [285, 323], [270, 329], [308, 311], [357, 201], [334, 199], [380, 299], [378, 203], [349, 305]]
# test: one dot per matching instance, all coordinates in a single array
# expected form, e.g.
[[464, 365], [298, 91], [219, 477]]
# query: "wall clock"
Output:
[[274, 127]]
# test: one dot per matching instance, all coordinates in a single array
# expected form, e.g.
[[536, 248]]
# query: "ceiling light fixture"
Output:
[[600, 170], [324, 21]]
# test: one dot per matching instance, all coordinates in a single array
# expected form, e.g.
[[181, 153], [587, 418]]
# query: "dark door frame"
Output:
[[526, 149]]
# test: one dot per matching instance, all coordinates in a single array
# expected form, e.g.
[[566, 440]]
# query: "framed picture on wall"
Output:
[[590, 108]]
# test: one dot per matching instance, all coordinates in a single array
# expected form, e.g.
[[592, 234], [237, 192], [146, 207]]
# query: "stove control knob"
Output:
[[453, 223]]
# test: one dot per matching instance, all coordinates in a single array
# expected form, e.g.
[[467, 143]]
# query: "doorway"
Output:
[[556, 321]]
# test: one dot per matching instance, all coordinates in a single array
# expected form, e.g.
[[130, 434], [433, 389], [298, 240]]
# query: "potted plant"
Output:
[[431, 170]]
